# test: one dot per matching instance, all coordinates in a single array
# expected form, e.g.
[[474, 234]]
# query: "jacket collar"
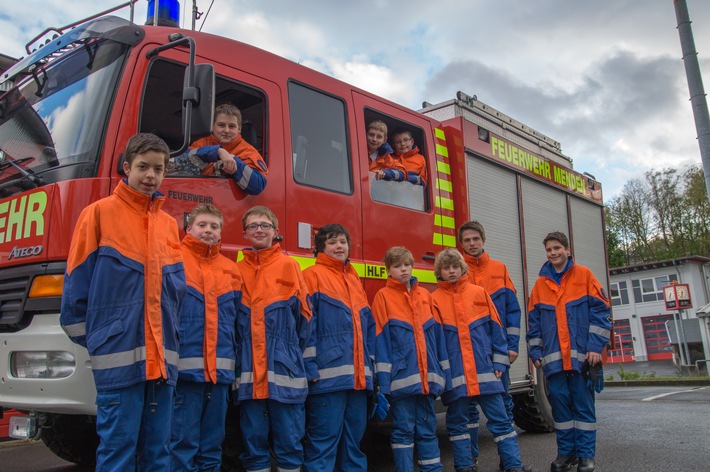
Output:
[[333, 263], [457, 286], [201, 249], [548, 270], [412, 152], [138, 201], [479, 261], [400, 287], [262, 256]]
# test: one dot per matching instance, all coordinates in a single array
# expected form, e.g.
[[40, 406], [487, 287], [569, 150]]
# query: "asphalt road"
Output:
[[639, 429]]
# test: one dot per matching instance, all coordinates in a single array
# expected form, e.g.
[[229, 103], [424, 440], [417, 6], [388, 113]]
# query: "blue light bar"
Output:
[[168, 12]]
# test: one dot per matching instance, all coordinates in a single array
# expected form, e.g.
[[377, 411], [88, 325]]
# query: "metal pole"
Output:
[[695, 85], [682, 332], [680, 346]]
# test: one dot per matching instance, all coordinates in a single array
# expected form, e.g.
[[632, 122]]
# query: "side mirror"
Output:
[[203, 107]]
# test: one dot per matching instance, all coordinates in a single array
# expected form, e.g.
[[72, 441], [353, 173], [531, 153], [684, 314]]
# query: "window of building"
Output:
[[619, 293], [651, 289], [319, 139]]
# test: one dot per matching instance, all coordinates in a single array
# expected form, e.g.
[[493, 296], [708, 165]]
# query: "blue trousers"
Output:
[[198, 426], [463, 443], [414, 422], [474, 416], [573, 411], [287, 424], [133, 424], [335, 426]]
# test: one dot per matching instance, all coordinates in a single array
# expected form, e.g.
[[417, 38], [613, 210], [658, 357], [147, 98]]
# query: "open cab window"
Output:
[[402, 194]]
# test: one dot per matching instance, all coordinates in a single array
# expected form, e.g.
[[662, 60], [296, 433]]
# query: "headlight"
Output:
[[42, 365]]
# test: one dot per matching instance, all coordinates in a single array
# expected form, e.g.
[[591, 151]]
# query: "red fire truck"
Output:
[[71, 105]]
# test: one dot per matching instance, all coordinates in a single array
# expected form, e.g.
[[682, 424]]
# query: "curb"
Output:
[[658, 383]]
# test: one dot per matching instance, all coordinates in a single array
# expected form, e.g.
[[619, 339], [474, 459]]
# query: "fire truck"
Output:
[[71, 105]]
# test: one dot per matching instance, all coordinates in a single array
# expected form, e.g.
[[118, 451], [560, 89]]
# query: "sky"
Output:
[[605, 78]]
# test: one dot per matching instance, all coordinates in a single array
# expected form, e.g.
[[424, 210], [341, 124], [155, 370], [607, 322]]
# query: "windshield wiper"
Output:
[[28, 176]]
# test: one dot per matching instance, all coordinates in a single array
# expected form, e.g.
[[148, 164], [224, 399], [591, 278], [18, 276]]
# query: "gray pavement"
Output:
[[663, 368]]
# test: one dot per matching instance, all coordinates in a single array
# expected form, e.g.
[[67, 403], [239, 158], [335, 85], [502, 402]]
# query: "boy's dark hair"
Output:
[[203, 209], [557, 236], [144, 142], [261, 211], [474, 226], [230, 110], [325, 233], [398, 131], [449, 257], [397, 255]]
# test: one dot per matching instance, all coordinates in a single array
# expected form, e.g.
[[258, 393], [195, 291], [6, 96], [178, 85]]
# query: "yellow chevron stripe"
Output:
[[445, 185], [443, 167], [442, 150], [439, 133], [444, 221], [445, 203]]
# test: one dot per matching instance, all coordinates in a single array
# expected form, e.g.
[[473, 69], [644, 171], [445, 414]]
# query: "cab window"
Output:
[[399, 193], [319, 140]]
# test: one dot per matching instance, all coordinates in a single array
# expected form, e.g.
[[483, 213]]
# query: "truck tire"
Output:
[[72, 438], [532, 411]]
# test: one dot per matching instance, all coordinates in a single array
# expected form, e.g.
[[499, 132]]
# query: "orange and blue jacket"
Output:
[[201, 159], [208, 317], [415, 164], [475, 340], [493, 276], [566, 319], [393, 168], [341, 351], [410, 354], [123, 288], [273, 328]]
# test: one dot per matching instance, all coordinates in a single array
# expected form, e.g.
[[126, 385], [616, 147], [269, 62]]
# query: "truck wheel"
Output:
[[72, 438], [532, 411]]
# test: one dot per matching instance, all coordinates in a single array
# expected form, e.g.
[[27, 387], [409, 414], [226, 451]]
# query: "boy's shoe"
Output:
[[473, 468], [501, 467], [586, 464], [563, 463], [524, 468]]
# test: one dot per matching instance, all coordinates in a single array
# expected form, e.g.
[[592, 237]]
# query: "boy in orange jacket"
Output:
[[478, 356], [411, 362], [208, 349]]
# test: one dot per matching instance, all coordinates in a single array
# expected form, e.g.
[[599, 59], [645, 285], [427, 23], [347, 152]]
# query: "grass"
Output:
[[625, 375]]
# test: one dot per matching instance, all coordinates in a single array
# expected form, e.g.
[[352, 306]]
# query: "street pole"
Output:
[[695, 85]]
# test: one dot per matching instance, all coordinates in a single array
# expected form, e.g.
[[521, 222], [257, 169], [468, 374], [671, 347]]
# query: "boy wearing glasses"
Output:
[[408, 154], [273, 329]]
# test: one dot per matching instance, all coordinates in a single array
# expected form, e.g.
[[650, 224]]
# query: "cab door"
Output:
[[397, 213]]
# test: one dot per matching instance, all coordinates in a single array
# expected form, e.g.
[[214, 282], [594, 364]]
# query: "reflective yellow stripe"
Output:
[[442, 150], [370, 271], [442, 184], [439, 133], [445, 203], [446, 240], [444, 221], [443, 167]]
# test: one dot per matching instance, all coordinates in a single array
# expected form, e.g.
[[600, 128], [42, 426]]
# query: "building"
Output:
[[644, 330]]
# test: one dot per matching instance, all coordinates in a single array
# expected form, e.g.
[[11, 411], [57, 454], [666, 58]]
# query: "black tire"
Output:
[[72, 438], [532, 411]]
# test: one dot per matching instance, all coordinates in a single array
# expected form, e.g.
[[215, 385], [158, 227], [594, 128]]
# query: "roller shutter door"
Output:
[[544, 211], [588, 237], [493, 195]]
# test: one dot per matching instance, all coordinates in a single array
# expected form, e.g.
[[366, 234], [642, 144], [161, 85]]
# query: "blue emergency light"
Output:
[[168, 12]]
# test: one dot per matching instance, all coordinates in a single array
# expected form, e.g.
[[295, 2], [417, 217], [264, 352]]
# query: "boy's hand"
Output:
[[499, 373], [538, 363], [512, 355], [379, 174], [228, 164]]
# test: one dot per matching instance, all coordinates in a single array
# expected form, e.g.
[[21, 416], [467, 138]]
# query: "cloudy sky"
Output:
[[603, 77]]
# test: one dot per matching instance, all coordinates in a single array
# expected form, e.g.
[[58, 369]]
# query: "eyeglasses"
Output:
[[264, 226], [403, 141]]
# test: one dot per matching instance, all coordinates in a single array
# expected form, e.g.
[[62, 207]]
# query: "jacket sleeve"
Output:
[[534, 335], [512, 315], [310, 354], [249, 179], [599, 317], [499, 344], [442, 352], [369, 331], [304, 314], [81, 263], [383, 346]]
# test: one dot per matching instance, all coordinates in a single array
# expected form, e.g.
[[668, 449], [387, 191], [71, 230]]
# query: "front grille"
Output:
[[16, 310]]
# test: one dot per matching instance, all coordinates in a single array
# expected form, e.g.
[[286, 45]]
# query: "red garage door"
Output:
[[658, 345], [623, 342]]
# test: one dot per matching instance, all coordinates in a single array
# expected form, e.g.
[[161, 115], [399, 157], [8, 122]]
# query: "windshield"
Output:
[[52, 124]]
